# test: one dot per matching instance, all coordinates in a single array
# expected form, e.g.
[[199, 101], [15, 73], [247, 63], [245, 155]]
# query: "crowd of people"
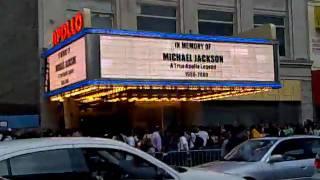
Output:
[[181, 139], [219, 137]]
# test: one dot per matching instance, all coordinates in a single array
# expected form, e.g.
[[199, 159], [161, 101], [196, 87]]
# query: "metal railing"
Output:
[[189, 158]]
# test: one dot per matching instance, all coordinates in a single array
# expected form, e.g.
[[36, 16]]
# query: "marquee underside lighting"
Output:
[[105, 93]]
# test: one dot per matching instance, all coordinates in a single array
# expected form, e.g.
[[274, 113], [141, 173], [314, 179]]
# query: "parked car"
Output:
[[271, 158], [87, 159]]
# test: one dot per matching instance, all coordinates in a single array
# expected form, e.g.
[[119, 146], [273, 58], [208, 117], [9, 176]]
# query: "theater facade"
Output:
[[121, 78]]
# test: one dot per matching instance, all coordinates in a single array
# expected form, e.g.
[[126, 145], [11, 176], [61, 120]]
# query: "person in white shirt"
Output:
[[156, 139], [183, 143], [131, 140], [204, 135], [316, 130]]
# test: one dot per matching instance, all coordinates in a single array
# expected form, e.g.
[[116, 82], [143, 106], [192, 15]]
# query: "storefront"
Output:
[[96, 72]]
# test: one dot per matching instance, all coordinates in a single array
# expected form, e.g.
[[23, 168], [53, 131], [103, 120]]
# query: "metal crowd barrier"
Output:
[[189, 158]]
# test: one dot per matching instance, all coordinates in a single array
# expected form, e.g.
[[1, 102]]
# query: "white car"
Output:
[[88, 159], [271, 158]]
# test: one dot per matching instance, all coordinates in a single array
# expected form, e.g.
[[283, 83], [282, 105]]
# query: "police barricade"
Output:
[[189, 158]]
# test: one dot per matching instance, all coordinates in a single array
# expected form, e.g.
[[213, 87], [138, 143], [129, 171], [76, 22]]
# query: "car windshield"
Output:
[[250, 151]]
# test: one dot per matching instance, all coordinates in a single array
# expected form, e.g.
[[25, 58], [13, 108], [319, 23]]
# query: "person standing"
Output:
[[156, 139], [131, 139], [147, 146], [272, 130], [238, 135], [198, 144], [281, 132], [316, 130], [204, 135], [192, 139], [183, 143], [308, 127], [225, 141], [288, 131]]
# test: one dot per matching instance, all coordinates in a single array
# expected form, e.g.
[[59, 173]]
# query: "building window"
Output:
[[98, 19], [217, 23], [279, 22], [157, 18]]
